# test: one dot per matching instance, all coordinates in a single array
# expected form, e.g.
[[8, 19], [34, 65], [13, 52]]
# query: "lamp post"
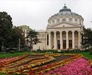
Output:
[[19, 44]]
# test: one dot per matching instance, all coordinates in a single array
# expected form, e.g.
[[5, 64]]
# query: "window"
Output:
[[47, 39], [70, 19], [53, 21], [49, 22], [58, 20], [76, 20], [64, 19], [80, 22]]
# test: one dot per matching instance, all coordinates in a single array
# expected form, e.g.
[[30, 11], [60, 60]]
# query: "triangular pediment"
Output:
[[64, 25]]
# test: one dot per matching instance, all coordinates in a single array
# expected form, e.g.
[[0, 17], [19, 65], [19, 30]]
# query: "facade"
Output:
[[63, 31], [25, 30]]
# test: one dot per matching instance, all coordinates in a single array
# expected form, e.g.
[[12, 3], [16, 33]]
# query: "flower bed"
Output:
[[39, 70], [6, 61], [46, 64], [80, 66], [26, 64]]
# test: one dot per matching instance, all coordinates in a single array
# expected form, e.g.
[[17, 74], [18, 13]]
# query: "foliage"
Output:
[[87, 38], [5, 27], [9, 35], [33, 35]]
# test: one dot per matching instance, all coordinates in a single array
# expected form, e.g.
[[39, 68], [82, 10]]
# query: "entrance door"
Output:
[[58, 44], [64, 44], [70, 44]]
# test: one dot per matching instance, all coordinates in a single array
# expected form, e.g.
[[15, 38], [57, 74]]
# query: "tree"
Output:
[[9, 35], [33, 35], [15, 35], [5, 27], [87, 38]]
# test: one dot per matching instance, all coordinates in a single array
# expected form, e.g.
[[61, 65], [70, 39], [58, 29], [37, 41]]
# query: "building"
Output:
[[25, 30], [63, 31]]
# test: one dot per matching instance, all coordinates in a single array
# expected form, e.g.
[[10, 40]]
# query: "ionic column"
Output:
[[49, 40], [79, 39], [55, 42], [67, 41], [61, 40], [73, 44]]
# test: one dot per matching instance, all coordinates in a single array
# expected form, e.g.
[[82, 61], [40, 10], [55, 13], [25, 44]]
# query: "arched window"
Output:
[[49, 22], [53, 21], [80, 22], [70, 19], [58, 20], [63, 19], [76, 20], [47, 39]]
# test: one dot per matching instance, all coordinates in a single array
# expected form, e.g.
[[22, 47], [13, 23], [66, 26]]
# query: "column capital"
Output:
[[60, 31], [66, 31], [79, 31], [49, 32], [54, 31], [73, 30]]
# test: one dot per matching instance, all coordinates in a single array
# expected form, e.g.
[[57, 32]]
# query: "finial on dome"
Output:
[[64, 4], [65, 9]]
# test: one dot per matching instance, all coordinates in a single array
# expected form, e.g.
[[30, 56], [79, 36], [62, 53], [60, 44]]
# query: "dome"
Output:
[[65, 13], [65, 9]]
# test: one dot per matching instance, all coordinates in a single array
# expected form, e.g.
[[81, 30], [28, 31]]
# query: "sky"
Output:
[[35, 13]]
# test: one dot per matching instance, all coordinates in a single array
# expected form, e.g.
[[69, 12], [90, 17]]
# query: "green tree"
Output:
[[15, 35], [87, 38], [5, 27], [33, 35], [9, 35]]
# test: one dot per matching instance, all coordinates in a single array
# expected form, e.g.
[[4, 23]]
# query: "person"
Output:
[[59, 46], [52, 47]]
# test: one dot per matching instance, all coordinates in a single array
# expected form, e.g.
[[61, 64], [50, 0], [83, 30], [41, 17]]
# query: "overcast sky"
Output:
[[35, 13]]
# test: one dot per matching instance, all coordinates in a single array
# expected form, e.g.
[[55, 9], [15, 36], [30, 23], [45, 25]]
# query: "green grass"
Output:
[[7, 55], [86, 54]]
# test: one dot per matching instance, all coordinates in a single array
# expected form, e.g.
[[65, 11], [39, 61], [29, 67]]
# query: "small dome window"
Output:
[[58, 20], [53, 21], [49, 22], [63, 19], [76, 20], [80, 22], [70, 19]]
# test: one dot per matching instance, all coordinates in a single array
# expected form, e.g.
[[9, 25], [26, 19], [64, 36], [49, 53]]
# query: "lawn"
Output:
[[86, 54], [6, 55]]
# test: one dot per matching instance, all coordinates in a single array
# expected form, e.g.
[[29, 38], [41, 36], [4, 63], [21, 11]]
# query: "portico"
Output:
[[63, 39]]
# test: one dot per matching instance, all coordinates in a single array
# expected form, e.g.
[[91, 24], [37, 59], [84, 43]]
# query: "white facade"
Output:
[[63, 31]]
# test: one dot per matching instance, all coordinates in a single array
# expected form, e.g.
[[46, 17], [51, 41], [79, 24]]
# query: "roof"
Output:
[[65, 11]]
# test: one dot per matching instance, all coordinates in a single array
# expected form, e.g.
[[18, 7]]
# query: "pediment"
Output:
[[64, 25]]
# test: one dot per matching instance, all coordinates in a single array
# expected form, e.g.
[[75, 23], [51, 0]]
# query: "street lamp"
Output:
[[19, 44]]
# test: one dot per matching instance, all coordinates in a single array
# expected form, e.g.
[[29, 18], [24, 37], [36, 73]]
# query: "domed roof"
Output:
[[65, 11]]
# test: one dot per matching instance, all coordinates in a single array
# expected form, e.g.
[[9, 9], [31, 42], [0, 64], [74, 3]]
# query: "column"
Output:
[[67, 41], [55, 42], [49, 40], [61, 40], [46, 41], [79, 40], [73, 44]]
